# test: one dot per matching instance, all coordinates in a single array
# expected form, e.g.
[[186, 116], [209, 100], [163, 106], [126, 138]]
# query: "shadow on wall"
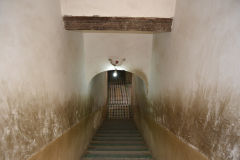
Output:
[[143, 77]]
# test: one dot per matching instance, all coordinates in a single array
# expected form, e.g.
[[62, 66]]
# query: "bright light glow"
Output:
[[109, 67], [115, 74]]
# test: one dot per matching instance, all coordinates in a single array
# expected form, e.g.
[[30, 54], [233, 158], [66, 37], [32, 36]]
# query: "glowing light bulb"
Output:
[[115, 74]]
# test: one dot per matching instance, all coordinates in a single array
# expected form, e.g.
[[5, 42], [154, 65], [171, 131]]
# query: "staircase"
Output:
[[117, 140], [119, 101]]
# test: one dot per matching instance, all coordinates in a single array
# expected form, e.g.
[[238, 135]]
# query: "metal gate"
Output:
[[119, 100]]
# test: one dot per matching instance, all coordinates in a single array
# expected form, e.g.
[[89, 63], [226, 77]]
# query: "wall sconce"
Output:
[[116, 62]]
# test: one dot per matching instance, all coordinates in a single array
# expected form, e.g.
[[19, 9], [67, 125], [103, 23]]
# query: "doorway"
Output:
[[119, 95]]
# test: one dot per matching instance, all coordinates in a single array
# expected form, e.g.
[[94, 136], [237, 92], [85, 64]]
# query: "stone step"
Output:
[[119, 147], [117, 139], [117, 142], [120, 135], [118, 126], [119, 152], [87, 158], [117, 129], [126, 156]]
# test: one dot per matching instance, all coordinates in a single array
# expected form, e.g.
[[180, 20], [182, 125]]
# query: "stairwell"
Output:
[[117, 140]]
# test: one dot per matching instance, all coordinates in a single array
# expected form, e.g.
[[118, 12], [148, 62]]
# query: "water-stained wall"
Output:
[[43, 91], [194, 87], [162, 142], [73, 143], [98, 91]]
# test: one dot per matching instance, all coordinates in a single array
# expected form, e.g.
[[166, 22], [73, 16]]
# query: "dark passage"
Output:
[[117, 140]]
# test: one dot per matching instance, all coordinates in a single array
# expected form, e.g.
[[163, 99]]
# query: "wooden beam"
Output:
[[146, 24]]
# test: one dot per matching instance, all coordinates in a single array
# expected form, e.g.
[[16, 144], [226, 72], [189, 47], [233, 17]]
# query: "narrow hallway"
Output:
[[119, 79], [118, 140], [118, 137]]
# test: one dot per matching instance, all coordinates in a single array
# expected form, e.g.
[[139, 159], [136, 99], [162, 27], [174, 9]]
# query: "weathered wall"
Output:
[[73, 143], [162, 143], [99, 47], [194, 85], [98, 91], [129, 8], [43, 92]]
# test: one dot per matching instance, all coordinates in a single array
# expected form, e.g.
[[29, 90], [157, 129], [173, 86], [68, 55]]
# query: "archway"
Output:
[[120, 91]]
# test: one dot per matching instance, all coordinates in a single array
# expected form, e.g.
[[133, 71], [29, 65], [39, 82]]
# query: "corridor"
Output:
[[119, 79], [118, 137]]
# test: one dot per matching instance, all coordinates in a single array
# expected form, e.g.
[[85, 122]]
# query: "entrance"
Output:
[[119, 95]]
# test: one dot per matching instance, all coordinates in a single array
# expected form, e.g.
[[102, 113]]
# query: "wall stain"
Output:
[[205, 119], [28, 123]]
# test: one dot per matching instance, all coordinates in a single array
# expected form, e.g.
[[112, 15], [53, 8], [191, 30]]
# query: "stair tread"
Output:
[[119, 152], [112, 132], [118, 134], [119, 155], [117, 140], [122, 130], [111, 135], [117, 144], [87, 158], [118, 149]]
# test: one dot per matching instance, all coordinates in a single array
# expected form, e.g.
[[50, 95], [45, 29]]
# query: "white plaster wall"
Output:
[[128, 8], [34, 44], [98, 90], [42, 87], [45, 73], [99, 47], [195, 77]]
